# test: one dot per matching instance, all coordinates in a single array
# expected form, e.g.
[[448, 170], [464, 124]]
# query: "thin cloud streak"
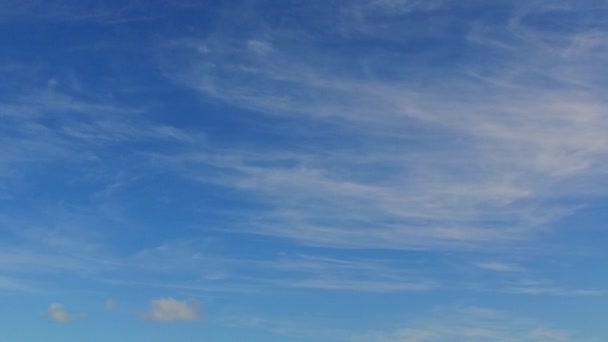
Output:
[[473, 324], [528, 135], [466, 324]]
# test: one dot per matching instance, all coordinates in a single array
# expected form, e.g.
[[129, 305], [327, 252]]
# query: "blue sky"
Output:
[[252, 170]]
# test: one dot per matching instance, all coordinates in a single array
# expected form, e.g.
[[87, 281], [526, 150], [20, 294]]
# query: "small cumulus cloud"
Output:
[[110, 305], [171, 310], [57, 313]]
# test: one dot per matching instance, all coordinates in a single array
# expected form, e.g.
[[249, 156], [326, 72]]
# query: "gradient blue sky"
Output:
[[282, 170]]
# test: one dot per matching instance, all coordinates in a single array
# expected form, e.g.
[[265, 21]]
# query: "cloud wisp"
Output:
[[512, 134], [474, 324], [363, 150], [460, 324]]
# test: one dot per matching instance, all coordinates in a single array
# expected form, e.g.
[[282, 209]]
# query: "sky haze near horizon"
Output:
[[265, 170]]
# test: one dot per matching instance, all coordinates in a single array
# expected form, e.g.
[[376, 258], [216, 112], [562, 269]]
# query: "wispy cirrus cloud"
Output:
[[12, 284], [279, 272], [512, 133], [467, 159], [285, 328], [75, 11], [499, 266], [474, 324], [370, 151], [460, 324], [536, 287]]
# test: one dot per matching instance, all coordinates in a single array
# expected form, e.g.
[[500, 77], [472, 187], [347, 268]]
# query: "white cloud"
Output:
[[403, 6], [552, 290], [467, 161], [57, 313], [288, 328], [14, 284], [473, 324], [170, 310], [284, 271], [69, 11], [499, 266], [110, 305], [53, 243], [474, 158]]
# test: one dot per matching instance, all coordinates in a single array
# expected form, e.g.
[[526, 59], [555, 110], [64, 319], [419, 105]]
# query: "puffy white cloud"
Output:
[[170, 310], [110, 304], [57, 313]]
